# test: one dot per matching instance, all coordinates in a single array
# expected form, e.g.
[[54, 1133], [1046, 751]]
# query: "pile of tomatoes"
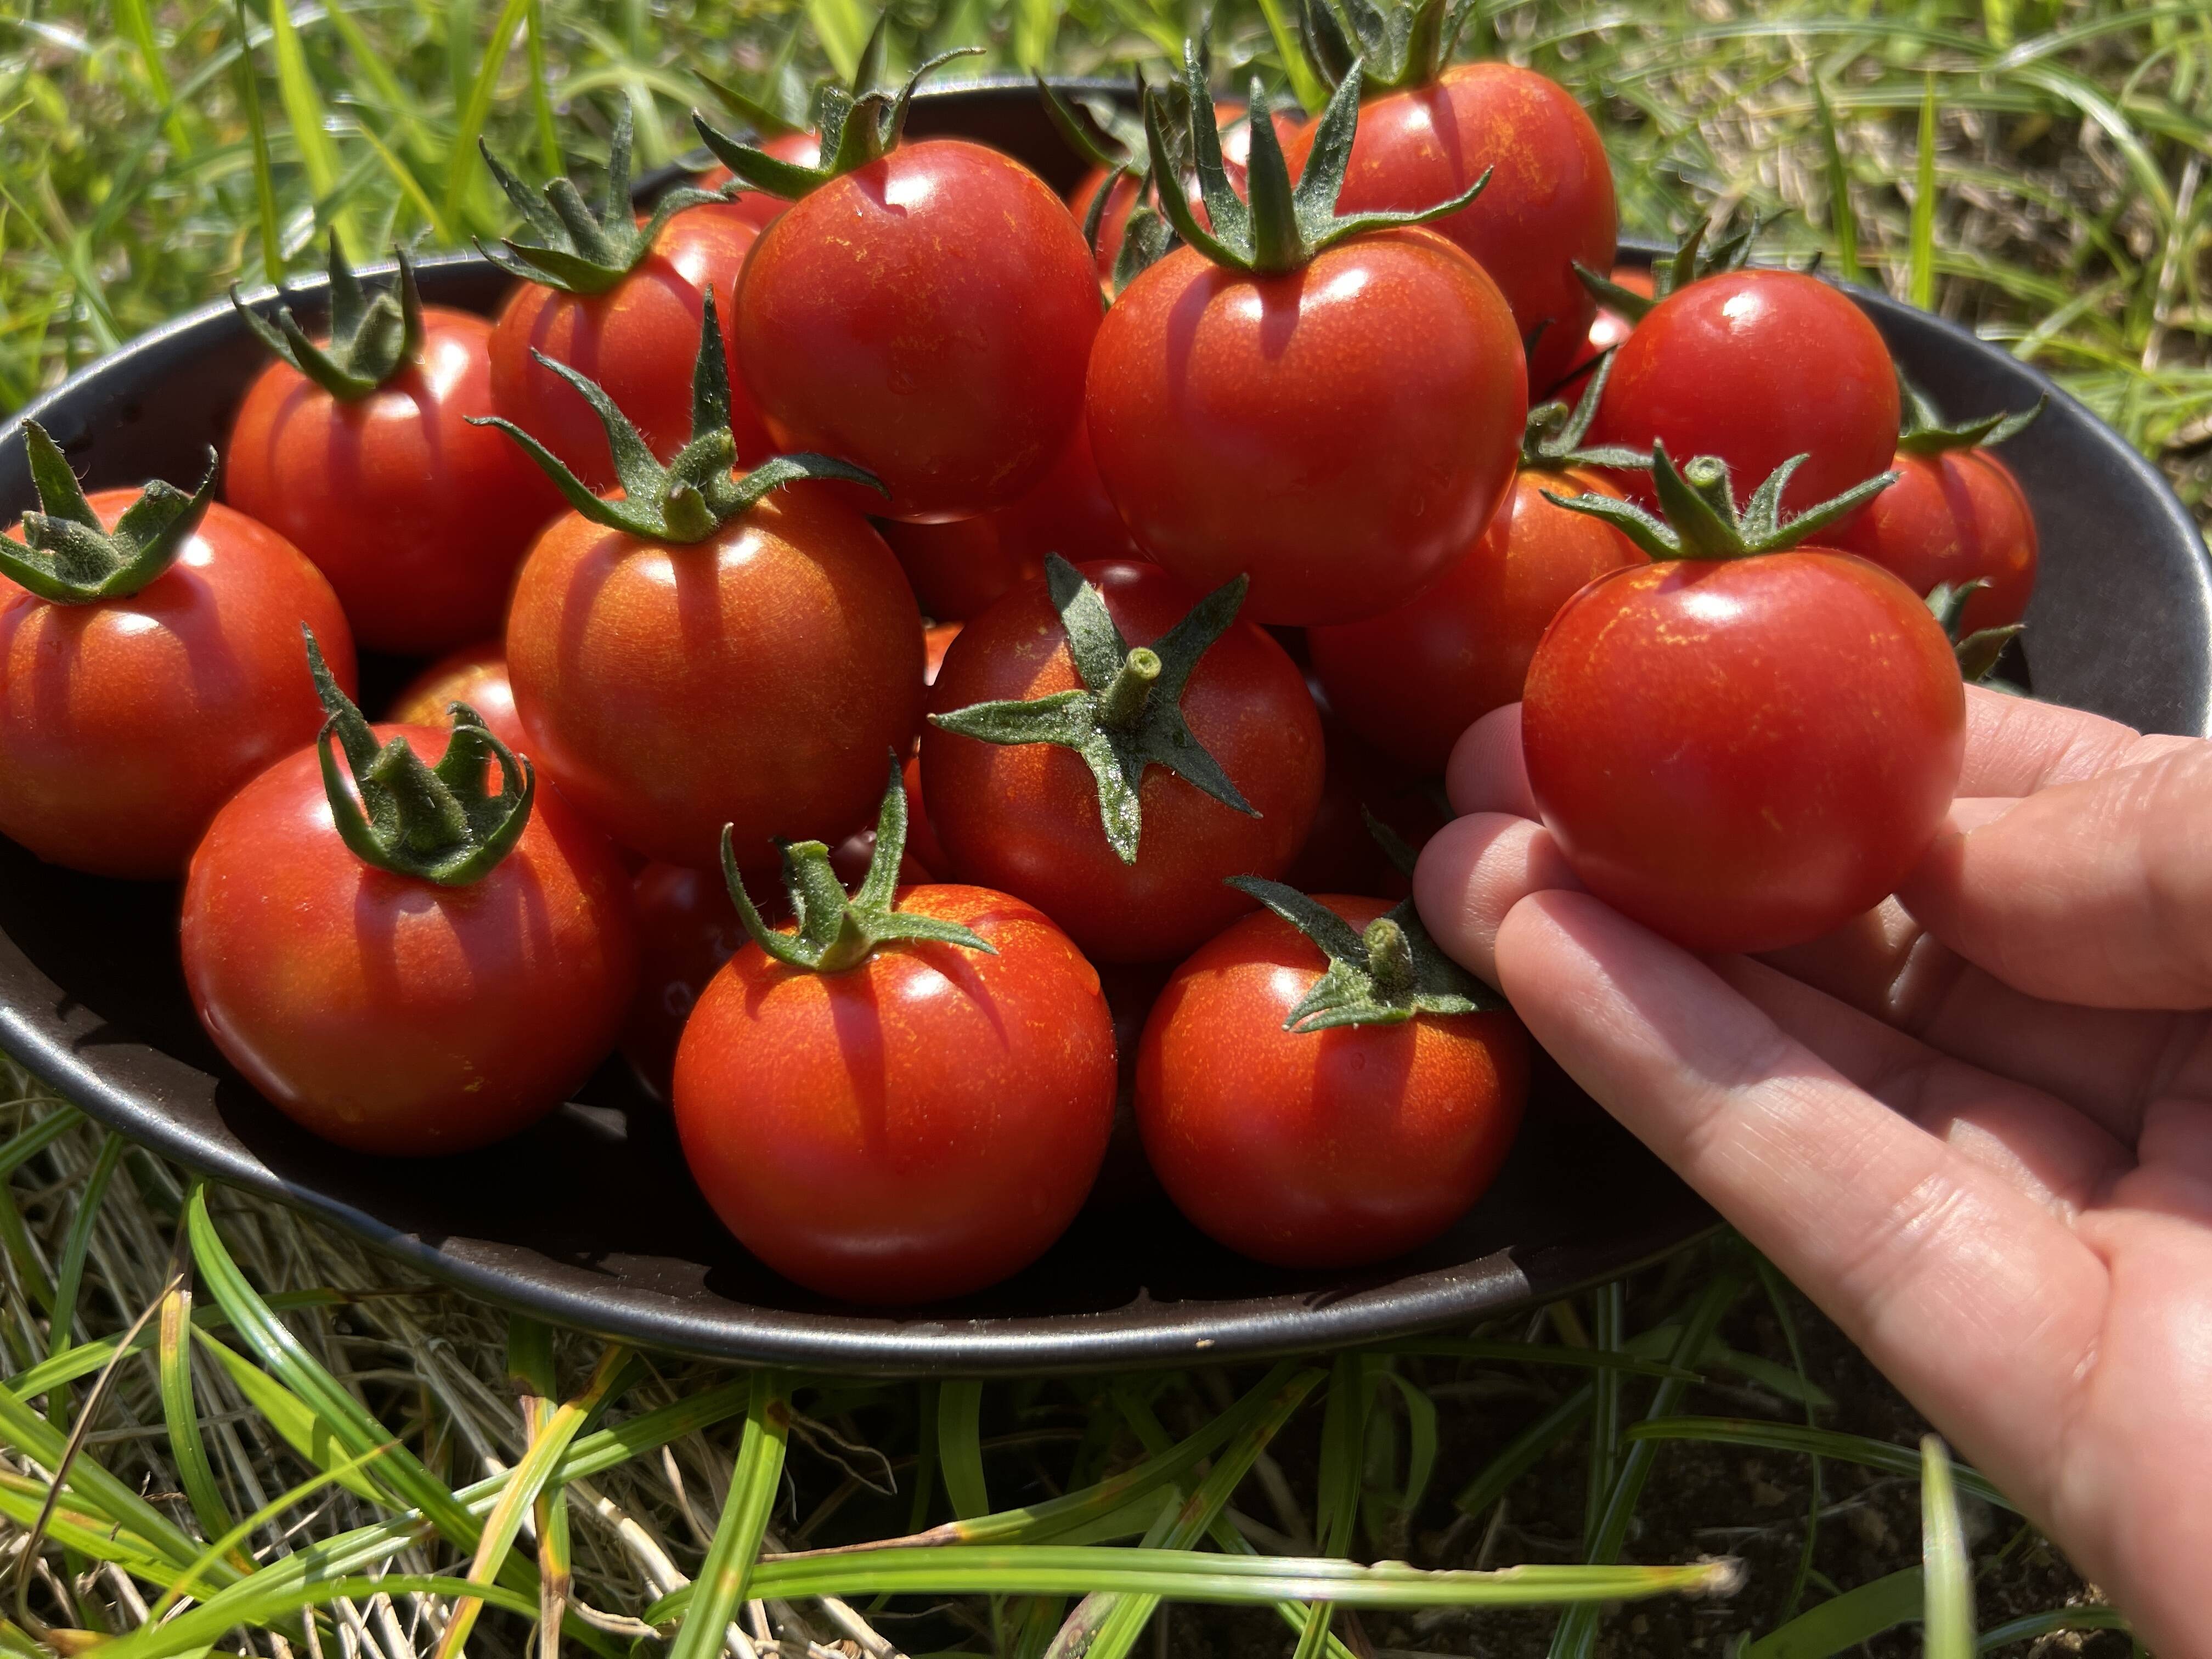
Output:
[[926, 665]]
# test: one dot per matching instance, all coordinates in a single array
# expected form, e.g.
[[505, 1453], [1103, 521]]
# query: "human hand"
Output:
[[1975, 1125]]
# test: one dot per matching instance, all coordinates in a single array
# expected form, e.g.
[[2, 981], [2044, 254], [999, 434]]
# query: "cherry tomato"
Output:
[[475, 675], [1549, 202], [1339, 432], [125, 722], [1341, 855], [1318, 1148], [387, 1014], [757, 207], [1411, 680], [1609, 328], [926, 316], [687, 928], [1025, 819], [1743, 755], [936, 639], [637, 341], [759, 677], [1113, 223], [1954, 517], [916, 1128], [921, 841], [416, 518], [1756, 367]]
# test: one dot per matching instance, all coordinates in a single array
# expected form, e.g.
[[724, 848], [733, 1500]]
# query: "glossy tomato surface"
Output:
[[1957, 517], [1411, 680], [1609, 328], [1319, 1148], [1338, 434], [757, 207], [1549, 202], [390, 1015], [1025, 819], [476, 675], [926, 316], [416, 518], [1756, 367], [1744, 755], [126, 722], [916, 1127], [639, 341], [759, 677]]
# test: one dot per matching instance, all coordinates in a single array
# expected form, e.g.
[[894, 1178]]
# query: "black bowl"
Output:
[[591, 1220]]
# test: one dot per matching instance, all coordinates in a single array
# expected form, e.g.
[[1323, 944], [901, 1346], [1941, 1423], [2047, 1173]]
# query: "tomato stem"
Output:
[[1701, 519], [371, 340], [1121, 705], [1924, 432], [1389, 958], [67, 557]]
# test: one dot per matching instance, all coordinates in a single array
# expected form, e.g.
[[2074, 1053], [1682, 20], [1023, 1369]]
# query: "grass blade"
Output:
[[1524, 1451], [132, 18], [1819, 1443], [69, 1272], [462, 161], [1920, 267], [2031, 1625], [541, 98], [960, 1447], [731, 1558], [264, 179], [1950, 1616], [173, 1373], [1343, 1461], [1843, 217], [1842, 1623], [1608, 1334], [842, 27], [303, 110]]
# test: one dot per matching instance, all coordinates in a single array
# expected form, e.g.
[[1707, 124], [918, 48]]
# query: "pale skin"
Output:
[[1975, 1125]]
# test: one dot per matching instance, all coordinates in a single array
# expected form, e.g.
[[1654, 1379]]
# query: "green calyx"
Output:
[[1402, 43], [1978, 652], [436, 823], [67, 557], [1281, 227], [696, 492], [1924, 432], [1693, 260], [1146, 236], [1700, 520], [577, 245], [1129, 715], [371, 338], [836, 930], [1553, 440]]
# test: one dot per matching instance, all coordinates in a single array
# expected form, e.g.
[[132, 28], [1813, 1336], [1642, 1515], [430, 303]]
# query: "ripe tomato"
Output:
[[1549, 202], [1319, 1148], [1341, 855], [922, 835], [928, 317], [1743, 755], [956, 1104], [475, 675], [386, 1013], [757, 207], [1608, 329], [1025, 819], [1338, 433], [936, 639], [125, 722], [1113, 222], [687, 928], [1956, 517], [1411, 680], [1756, 367]]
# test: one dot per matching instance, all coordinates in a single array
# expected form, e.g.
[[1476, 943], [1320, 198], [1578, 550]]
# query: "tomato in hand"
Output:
[[475, 675], [132, 705]]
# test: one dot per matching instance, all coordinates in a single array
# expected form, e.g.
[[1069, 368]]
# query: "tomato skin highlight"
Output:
[[125, 723], [1323, 1149], [928, 317], [390, 1015], [638, 341], [1608, 329], [416, 518], [760, 677], [1549, 202], [1025, 820], [1954, 517], [1745, 754], [916, 1128], [1411, 680], [1340, 433], [476, 675]]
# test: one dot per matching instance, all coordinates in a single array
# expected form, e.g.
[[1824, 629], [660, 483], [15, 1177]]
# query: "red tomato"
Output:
[[388, 1014], [936, 641], [1549, 202], [417, 517], [475, 675], [916, 1128], [687, 928], [1319, 1148], [926, 316], [1411, 680], [1756, 367], [1338, 432], [1341, 855], [1953, 516], [125, 723], [1609, 328], [921, 841], [637, 341], [1764, 785], [1235, 149], [757, 207], [759, 677], [1025, 819]]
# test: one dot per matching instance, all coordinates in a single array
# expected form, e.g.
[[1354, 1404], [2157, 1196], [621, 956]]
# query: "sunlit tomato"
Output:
[[1319, 1148], [955, 1103], [386, 1013], [125, 722], [1411, 680], [1743, 755], [1609, 328], [1338, 432], [1756, 367], [936, 641], [757, 206], [922, 843], [1955, 517], [416, 518], [1113, 222], [638, 341], [1025, 819], [928, 317], [757, 677], [1341, 855], [1549, 202], [475, 675]]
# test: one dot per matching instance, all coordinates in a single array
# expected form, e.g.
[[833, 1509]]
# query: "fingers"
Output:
[[1486, 773], [1476, 869], [2015, 746]]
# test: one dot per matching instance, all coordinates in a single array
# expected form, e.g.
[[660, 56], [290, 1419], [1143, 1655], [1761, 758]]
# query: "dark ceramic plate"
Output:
[[590, 1219]]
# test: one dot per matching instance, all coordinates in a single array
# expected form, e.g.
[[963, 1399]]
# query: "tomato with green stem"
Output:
[[758, 207], [475, 675]]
